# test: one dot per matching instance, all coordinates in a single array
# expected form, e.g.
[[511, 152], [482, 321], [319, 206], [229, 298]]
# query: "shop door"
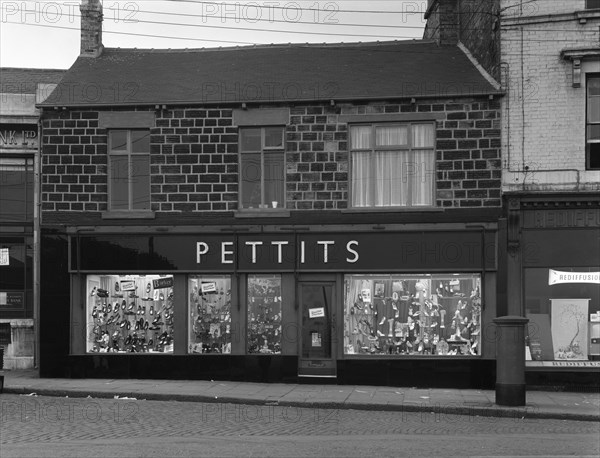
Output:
[[316, 351]]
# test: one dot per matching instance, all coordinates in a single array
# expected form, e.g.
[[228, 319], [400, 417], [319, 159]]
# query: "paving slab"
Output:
[[540, 404]]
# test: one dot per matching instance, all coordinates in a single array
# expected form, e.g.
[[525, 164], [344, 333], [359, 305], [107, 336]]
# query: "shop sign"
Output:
[[550, 219], [563, 364], [364, 251], [11, 299], [346, 251], [557, 277], [162, 283], [14, 138], [4, 257]]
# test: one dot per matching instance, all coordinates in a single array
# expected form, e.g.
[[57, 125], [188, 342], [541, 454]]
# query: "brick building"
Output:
[[20, 89], [550, 56], [271, 212]]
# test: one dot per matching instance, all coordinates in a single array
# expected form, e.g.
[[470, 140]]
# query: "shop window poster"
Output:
[[569, 328], [379, 289]]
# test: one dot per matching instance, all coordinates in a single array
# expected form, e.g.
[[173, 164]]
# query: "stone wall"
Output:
[[195, 166]]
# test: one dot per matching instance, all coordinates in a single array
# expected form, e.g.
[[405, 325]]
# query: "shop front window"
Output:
[[264, 314], [563, 308], [412, 315], [16, 190], [130, 313], [16, 275], [210, 312]]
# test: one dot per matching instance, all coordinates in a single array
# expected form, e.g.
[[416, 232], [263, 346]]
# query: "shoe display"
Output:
[[114, 329]]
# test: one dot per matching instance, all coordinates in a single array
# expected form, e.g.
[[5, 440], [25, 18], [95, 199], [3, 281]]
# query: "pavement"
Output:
[[539, 404]]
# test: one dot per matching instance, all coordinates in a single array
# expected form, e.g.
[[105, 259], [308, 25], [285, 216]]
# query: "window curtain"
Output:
[[360, 136], [391, 136], [362, 177], [391, 186], [423, 166]]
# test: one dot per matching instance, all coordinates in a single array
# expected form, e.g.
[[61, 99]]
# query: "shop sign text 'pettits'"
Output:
[[450, 251], [281, 249]]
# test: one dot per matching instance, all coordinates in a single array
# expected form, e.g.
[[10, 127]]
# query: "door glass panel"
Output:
[[316, 321]]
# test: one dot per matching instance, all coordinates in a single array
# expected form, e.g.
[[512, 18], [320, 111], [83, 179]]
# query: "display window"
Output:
[[210, 312], [264, 314], [412, 315], [563, 308], [130, 314]]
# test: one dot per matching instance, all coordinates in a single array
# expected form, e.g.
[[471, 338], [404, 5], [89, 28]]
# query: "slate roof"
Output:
[[273, 73], [25, 80]]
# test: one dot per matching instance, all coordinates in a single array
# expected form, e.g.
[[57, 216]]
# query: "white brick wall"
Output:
[[540, 7], [543, 115]]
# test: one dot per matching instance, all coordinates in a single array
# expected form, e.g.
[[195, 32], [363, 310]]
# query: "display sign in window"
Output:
[[435, 315], [563, 308]]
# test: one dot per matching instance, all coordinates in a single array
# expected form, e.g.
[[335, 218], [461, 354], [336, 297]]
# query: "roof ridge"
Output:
[[21, 69], [276, 46]]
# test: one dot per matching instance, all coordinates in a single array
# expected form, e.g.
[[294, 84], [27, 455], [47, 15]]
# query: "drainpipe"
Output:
[[36, 243]]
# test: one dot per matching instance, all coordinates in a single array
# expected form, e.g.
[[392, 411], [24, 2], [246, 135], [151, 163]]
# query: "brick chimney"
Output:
[[91, 28], [443, 22]]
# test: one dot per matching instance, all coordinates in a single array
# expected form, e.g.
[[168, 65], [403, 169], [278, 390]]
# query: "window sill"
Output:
[[392, 210], [262, 213], [129, 214]]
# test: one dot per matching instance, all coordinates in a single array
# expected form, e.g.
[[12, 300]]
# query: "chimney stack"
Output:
[[91, 28], [443, 22]]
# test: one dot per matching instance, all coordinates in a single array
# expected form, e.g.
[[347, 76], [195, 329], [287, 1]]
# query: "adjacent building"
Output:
[[20, 90], [550, 73], [280, 212]]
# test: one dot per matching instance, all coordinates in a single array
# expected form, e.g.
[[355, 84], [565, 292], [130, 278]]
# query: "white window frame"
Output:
[[407, 149], [588, 143]]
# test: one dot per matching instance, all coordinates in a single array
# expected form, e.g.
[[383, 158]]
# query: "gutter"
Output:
[[189, 103]]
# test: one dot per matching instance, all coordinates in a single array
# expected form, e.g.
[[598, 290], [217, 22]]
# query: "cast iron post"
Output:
[[510, 360]]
